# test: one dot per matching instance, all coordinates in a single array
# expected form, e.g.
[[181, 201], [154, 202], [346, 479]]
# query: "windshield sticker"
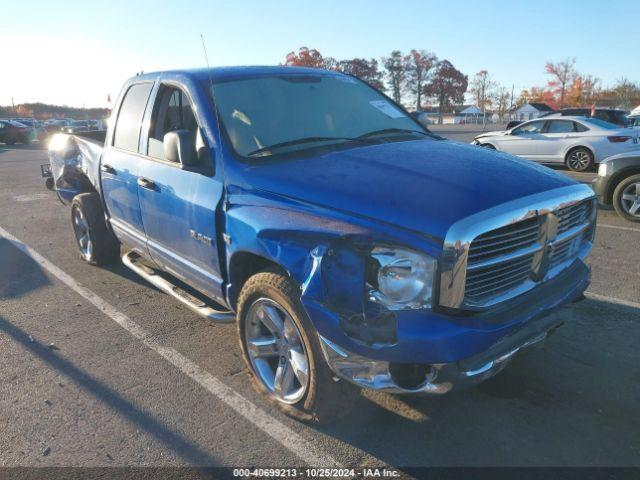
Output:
[[386, 108]]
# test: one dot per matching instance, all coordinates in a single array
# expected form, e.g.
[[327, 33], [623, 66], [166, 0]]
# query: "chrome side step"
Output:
[[133, 261]]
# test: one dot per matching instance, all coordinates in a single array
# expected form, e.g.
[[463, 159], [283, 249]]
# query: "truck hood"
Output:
[[424, 186]]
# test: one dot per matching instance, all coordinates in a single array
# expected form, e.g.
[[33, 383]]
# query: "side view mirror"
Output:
[[180, 147]]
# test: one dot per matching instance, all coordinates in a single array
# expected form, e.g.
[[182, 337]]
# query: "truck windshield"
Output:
[[279, 114]]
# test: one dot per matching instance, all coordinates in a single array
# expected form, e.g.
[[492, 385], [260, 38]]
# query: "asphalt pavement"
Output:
[[101, 369]]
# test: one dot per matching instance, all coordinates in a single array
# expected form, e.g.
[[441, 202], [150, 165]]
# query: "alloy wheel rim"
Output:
[[81, 229], [579, 160], [631, 199], [276, 351]]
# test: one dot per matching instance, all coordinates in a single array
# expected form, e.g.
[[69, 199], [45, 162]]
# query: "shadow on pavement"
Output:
[[174, 441], [20, 275]]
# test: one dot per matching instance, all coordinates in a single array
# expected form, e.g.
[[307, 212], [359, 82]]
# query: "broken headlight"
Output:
[[401, 279]]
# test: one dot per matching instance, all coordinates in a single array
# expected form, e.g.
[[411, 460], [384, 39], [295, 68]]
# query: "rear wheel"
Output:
[[579, 159], [96, 243], [626, 198], [283, 352]]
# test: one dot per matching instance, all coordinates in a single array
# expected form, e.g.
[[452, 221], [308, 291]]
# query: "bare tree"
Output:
[[502, 98], [418, 67], [482, 88], [395, 73], [562, 73]]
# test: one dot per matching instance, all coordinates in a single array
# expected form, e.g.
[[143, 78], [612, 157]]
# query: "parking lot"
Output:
[[100, 368]]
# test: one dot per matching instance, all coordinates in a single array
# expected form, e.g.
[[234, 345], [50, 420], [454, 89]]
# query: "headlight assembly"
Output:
[[602, 169], [401, 279]]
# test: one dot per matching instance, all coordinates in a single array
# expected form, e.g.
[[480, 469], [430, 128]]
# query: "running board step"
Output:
[[133, 261]]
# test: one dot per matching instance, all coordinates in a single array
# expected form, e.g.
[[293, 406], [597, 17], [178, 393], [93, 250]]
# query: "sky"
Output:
[[78, 52]]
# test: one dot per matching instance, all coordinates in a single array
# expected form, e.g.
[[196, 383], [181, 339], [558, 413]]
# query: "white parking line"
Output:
[[258, 417], [617, 301], [616, 227]]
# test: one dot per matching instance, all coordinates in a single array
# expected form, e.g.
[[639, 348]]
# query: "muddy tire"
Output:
[[96, 243], [276, 336]]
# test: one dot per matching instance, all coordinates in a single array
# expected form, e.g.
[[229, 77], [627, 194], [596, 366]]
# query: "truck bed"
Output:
[[75, 162]]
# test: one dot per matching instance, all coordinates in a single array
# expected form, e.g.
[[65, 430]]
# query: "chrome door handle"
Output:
[[105, 167], [148, 184]]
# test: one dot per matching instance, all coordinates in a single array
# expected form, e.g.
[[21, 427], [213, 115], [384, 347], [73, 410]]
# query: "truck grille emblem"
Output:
[[546, 236]]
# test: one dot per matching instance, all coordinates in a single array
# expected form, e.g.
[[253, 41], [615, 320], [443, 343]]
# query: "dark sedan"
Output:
[[14, 132]]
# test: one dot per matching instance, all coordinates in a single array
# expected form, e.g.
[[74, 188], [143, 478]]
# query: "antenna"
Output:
[[213, 96]]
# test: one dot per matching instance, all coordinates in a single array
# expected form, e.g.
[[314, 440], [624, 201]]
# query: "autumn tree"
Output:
[[537, 95], [482, 89], [562, 74], [366, 70], [418, 66], [627, 93], [307, 57], [582, 91], [447, 86], [395, 73]]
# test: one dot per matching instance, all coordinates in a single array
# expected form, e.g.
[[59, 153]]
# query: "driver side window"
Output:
[[533, 127], [171, 112]]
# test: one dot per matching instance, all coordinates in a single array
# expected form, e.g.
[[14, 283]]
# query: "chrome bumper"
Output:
[[442, 377]]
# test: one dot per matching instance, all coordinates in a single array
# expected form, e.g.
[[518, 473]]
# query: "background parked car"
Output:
[[611, 115], [14, 132], [618, 184], [80, 126], [579, 142]]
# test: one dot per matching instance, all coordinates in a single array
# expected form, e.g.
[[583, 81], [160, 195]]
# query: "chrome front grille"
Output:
[[502, 252], [504, 259]]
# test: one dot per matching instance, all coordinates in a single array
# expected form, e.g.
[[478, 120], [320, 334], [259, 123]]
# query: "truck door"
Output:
[[179, 202], [119, 169]]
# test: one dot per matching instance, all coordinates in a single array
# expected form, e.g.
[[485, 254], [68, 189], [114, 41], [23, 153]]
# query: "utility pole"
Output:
[[13, 104], [511, 103]]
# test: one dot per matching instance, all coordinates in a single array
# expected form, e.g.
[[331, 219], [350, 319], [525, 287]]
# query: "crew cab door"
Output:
[[119, 169], [523, 140], [179, 203]]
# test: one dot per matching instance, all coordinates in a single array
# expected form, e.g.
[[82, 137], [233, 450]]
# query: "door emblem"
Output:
[[200, 237]]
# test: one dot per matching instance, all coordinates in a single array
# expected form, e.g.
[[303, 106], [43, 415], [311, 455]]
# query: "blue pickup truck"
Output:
[[351, 246]]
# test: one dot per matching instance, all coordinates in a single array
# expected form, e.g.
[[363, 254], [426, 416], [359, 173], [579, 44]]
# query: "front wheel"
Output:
[[579, 160], [96, 243], [283, 353], [626, 198]]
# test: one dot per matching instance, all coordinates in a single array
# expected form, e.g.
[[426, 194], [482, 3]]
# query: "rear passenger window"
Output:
[[579, 127], [560, 126], [172, 111], [127, 133]]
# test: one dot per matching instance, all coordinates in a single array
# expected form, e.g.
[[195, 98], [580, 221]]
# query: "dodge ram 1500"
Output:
[[351, 247]]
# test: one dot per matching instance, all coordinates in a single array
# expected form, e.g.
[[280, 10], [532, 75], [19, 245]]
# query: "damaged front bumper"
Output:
[[443, 377]]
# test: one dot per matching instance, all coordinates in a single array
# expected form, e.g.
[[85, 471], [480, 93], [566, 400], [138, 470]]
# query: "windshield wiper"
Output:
[[305, 140], [392, 130]]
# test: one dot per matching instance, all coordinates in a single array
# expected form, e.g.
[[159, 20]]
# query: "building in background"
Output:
[[529, 111]]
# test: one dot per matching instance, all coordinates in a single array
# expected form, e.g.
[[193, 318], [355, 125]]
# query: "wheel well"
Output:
[[616, 179], [566, 156], [241, 267]]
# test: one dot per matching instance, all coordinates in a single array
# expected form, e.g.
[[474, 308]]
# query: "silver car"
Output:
[[579, 142]]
